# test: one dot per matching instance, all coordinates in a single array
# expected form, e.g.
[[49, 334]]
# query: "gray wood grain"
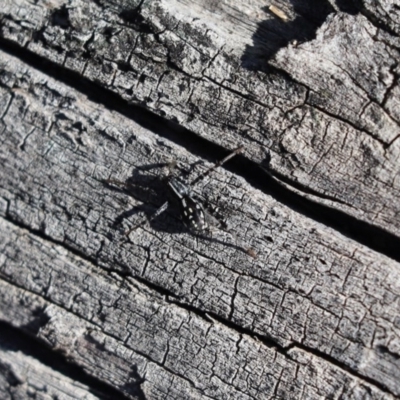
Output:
[[324, 119], [130, 336], [311, 293], [23, 377], [164, 313]]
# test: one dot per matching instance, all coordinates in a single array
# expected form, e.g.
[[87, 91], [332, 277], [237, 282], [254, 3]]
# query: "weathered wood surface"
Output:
[[330, 130], [23, 377], [126, 334], [168, 314]]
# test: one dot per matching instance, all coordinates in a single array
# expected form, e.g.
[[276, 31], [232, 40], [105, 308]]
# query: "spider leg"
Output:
[[158, 212], [216, 165], [218, 221], [213, 212], [213, 215], [131, 181]]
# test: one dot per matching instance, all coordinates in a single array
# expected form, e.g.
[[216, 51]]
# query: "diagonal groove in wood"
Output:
[[152, 287], [356, 229], [309, 285], [18, 340], [139, 23], [267, 341]]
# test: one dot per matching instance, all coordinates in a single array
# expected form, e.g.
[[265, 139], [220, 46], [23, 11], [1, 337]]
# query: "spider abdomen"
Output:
[[193, 214]]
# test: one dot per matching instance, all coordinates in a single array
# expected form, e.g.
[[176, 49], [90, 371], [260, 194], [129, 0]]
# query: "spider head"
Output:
[[178, 188]]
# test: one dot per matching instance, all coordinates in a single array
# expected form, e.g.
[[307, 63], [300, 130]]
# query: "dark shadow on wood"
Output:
[[13, 339], [367, 234], [275, 33], [152, 192]]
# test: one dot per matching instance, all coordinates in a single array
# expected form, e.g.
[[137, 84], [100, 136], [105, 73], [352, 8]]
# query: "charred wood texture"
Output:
[[298, 297]]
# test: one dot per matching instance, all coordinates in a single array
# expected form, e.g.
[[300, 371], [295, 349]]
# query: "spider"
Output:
[[192, 212]]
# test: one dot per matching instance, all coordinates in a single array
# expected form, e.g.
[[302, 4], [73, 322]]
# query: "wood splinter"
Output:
[[279, 13]]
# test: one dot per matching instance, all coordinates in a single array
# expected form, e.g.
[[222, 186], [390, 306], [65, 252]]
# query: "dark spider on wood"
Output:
[[192, 212]]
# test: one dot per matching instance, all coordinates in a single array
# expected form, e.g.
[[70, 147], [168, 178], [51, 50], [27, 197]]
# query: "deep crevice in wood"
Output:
[[375, 21], [271, 343], [364, 233], [344, 367], [12, 339], [266, 340]]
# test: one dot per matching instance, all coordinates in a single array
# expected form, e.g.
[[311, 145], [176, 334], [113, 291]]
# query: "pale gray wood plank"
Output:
[[384, 13], [326, 122], [133, 338], [23, 377], [309, 286]]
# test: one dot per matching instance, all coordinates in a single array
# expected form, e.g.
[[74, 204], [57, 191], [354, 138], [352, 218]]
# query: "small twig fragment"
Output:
[[279, 13]]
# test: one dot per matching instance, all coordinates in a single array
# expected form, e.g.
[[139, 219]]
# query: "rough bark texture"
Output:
[[107, 89]]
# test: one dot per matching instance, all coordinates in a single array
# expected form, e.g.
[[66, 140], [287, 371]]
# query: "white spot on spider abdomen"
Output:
[[193, 214]]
